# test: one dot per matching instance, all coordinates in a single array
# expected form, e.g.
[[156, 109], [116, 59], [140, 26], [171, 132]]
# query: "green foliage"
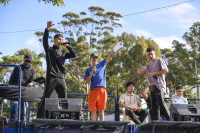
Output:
[[180, 61], [5, 2], [187, 93], [6, 112], [54, 2]]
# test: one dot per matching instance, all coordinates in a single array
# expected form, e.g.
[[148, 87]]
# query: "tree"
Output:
[[180, 73], [180, 62], [54, 2]]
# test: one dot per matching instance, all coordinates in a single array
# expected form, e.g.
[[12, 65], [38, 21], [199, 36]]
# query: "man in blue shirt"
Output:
[[97, 98]]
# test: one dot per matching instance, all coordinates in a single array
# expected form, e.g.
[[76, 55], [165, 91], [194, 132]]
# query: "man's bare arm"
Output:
[[140, 107], [49, 24], [141, 69], [110, 56], [158, 73], [113, 53], [87, 80], [121, 105], [144, 93]]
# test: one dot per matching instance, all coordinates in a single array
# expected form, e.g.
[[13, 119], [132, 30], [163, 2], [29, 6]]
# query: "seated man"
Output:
[[130, 101], [178, 98], [147, 98]]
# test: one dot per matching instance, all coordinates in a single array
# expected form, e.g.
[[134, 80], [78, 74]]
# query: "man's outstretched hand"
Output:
[[49, 24]]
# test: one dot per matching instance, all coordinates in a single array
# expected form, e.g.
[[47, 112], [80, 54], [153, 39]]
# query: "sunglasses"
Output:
[[29, 61]]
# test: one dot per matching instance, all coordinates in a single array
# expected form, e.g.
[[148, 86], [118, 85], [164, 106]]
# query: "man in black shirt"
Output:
[[147, 98], [55, 68], [28, 75]]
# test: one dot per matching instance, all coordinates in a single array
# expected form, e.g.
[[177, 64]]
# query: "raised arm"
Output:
[[144, 93], [113, 53], [46, 35]]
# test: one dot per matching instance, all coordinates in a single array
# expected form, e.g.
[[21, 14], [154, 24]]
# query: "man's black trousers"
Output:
[[52, 84], [132, 114], [158, 103]]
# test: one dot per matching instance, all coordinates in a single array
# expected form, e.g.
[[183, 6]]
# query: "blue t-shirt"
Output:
[[99, 77]]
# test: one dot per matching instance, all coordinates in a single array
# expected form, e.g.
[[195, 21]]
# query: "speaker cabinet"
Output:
[[185, 112], [63, 108]]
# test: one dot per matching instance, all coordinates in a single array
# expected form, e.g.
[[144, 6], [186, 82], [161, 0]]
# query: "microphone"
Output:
[[95, 65], [153, 76], [66, 43]]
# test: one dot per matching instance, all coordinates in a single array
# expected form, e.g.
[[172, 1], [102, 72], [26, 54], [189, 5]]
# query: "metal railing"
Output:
[[12, 87], [117, 111], [29, 106]]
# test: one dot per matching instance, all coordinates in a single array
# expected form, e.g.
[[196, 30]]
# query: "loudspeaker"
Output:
[[63, 108], [185, 112]]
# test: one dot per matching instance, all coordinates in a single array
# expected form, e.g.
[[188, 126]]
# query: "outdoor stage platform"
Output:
[[169, 127], [62, 126], [76, 126]]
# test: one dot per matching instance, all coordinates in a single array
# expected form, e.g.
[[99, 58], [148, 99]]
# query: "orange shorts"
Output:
[[97, 98]]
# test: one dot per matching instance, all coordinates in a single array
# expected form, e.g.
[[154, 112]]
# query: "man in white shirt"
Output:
[[178, 98], [132, 104]]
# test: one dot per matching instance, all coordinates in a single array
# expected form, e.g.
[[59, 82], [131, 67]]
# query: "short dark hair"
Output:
[[179, 87], [130, 82], [58, 35], [150, 49]]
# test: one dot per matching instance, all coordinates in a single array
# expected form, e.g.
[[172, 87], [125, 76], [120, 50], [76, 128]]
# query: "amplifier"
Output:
[[63, 108], [185, 112]]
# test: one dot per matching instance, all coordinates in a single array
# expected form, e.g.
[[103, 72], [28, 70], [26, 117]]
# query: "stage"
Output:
[[77, 126], [169, 127], [62, 126]]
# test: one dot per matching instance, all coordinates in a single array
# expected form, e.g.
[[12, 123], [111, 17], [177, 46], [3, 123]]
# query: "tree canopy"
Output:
[[54, 2]]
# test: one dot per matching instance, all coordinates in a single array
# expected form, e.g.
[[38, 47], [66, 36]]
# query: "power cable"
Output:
[[158, 8]]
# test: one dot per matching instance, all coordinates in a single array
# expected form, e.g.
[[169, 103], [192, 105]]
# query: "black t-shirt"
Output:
[[149, 103]]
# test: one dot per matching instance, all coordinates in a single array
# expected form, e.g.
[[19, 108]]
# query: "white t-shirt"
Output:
[[130, 99], [178, 100]]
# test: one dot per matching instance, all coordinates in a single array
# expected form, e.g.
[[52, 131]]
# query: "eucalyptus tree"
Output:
[[179, 65], [54, 2]]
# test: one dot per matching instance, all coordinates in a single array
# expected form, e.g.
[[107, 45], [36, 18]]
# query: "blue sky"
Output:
[[162, 25]]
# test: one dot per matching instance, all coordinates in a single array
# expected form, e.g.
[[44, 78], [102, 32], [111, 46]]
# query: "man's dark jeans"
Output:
[[13, 110], [158, 103], [132, 114]]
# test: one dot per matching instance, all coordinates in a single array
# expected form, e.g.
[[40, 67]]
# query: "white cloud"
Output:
[[163, 42], [33, 42], [183, 15], [166, 42], [181, 10], [144, 33], [122, 22]]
